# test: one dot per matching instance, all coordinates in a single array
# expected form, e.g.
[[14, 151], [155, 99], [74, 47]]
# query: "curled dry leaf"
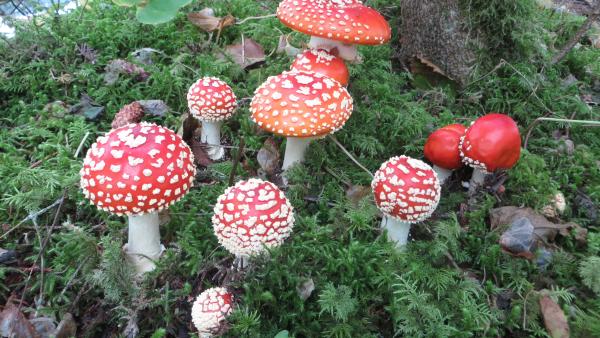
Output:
[[154, 107], [200, 156], [355, 193], [246, 53], [554, 318], [208, 22], [268, 157]]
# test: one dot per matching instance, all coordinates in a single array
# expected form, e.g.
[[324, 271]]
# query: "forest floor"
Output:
[[63, 79]]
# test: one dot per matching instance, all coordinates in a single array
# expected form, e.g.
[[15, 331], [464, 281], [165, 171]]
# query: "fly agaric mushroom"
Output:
[[211, 101], [491, 143], [322, 62], [251, 216], [300, 106], [210, 309], [138, 170], [441, 149], [407, 191], [335, 24]]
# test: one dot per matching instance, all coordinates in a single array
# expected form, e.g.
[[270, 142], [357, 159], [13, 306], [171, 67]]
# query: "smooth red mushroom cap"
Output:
[[491, 143], [348, 21], [211, 99], [252, 215], [441, 147], [210, 308], [406, 189], [301, 104], [322, 62], [136, 169]]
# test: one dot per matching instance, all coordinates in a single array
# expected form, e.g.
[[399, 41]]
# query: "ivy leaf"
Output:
[[159, 11]]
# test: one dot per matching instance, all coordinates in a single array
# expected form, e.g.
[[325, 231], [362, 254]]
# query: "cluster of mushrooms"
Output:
[[140, 169]]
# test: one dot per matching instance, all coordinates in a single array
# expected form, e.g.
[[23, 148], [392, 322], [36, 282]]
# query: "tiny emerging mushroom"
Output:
[[300, 106], [137, 170], [407, 191], [211, 101], [250, 217], [210, 309], [441, 149], [322, 62], [491, 143], [335, 24]]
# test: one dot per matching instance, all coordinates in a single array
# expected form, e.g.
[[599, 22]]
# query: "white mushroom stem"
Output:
[[477, 179], [397, 231], [442, 173], [295, 148], [211, 135], [345, 51], [143, 244], [241, 262]]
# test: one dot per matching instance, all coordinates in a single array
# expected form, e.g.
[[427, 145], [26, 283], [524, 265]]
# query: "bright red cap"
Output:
[[211, 308], [441, 147], [406, 189], [348, 21], [322, 62], [301, 104], [211, 99], [137, 169], [251, 215], [491, 143]]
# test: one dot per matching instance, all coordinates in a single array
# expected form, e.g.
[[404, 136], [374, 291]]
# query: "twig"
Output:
[[81, 144], [33, 216], [349, 155], [592, 16], [552, 119], [241, 22], [236, 160]]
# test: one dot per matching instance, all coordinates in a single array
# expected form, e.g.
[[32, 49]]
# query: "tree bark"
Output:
[[435, 33]]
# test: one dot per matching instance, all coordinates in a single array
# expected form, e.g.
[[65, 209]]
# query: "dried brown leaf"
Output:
[[355, 193], [554, 318], [66, 328], [246, 53], [268, 157], [14, 324], [200, 156], [208, 22]]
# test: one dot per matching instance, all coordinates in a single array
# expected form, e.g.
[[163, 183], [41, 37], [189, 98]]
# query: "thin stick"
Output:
[[236, 160], [241, 22], [81, 144], [592, 16], [32, 216], [349, 155], [589, 123]]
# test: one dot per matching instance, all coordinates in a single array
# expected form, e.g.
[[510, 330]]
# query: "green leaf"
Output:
[[159, 11], [282, 334], [128, 3]]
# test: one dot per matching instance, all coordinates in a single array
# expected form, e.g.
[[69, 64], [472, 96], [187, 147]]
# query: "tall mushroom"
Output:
[[137, 170], [251, 216], [441, 149], [211, 101], [323, 62], [335, 24], [300, 106], [407, 191], [210, 309], [491, 143]]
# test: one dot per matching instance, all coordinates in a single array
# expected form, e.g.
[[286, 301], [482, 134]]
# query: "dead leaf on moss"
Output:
[[355, 193], [246, 53], [14, 324], [200, 156], [554, 318], [268, 157], [208, 22]]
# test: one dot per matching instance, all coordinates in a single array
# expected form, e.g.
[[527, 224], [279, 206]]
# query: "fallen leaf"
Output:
[[200, 156], [554, 318], [154, 107], [585, 204], [14, 324], [246, 53], [44, 326], [268, 157], [144, 55], [355, 193], [306, 288], [208, 22], [87, 107], [189, 128], [67, 327], [282, 334], [518, 239], [7, 256]]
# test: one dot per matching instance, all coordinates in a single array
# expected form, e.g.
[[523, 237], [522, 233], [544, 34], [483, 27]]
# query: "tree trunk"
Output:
[[434, 33]]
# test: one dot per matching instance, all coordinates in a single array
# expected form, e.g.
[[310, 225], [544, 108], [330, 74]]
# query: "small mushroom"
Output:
[[301, 106], [491, 143], [441, 149], [251, 216], [211, 101], [138, 170], [322, 62], [407, 191], [335, 25], [210, 309]]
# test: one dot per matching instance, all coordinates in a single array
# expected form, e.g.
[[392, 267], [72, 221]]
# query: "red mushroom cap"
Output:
[[301, 104], [138, 168], [348, 21], [406, 189], [210, 308], [251, 215], [211, 99], [322, 62], [441, 147], [491, 143]]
